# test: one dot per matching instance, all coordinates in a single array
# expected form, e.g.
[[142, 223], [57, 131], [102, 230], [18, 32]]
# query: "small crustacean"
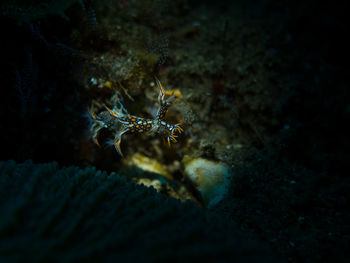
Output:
[[119, 121]]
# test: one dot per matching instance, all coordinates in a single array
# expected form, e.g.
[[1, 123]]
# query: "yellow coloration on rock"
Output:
[[210, 178], [175, 92], [156, 184], [147, 164], [108, 84]]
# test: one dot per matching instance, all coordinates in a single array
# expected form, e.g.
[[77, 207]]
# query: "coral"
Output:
[[73, 215]]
